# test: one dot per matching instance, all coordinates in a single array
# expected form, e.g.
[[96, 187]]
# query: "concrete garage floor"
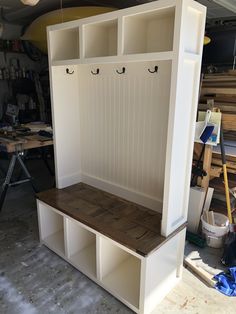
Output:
[[34, 280]]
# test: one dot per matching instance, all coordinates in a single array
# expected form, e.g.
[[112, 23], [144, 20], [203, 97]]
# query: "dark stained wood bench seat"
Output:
[[134, 226]]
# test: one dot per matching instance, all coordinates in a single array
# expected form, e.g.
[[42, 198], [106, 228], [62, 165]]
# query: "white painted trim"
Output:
[[128, 194], [154, 56], [68, 180], [40, 221], [171, 221]]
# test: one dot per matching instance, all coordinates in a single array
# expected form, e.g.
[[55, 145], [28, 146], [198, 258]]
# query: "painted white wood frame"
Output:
[[130, 134], [137, 281]]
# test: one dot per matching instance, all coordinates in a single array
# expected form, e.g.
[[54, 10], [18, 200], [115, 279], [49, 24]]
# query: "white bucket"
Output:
[[215, 234]]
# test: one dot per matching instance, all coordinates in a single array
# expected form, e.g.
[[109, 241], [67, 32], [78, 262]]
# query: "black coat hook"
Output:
[[155, 69], [95, 73], [122, 72], [68, 71]]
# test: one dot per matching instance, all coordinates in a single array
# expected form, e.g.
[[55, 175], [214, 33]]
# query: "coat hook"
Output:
[[68, 71], [155, 69], [122, 72], [95, 73]]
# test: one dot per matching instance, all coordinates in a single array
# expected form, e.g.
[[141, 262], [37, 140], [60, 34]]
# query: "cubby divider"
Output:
[[81, 247]]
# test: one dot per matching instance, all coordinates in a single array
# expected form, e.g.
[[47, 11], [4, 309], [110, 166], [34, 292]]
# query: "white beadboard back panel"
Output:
[[123, 120]]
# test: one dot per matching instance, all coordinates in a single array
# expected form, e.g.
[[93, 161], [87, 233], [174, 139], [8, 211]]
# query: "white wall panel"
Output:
[[123, 122]]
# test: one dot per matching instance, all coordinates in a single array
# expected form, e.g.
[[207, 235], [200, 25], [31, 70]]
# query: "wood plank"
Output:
[[24, 143], [220, 98], [195, 265], [219, 83], [215, 171], [228, 157], [231, 72], [224, 107], [215, 90], [229, 164], [220, 78], [207, 166], [229, 122], [132, 225], [222, 74]]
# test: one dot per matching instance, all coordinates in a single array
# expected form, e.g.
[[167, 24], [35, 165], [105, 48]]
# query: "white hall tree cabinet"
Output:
[[124, 90]]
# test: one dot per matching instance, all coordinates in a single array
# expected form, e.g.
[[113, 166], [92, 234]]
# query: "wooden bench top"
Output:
[[127, 223]]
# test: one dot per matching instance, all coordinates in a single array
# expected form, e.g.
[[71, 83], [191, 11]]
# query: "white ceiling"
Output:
[[15, 12]]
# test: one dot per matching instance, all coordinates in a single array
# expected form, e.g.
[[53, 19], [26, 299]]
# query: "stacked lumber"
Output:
[[221, 87], [230, 162]]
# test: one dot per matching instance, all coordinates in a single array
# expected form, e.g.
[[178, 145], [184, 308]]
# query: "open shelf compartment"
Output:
[[100, 39], [81, 247], [149, 32], [64, 44], [51, 228], [120, 272]]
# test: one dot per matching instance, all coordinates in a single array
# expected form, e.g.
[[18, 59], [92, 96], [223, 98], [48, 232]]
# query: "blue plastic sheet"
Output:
[[226, 282]]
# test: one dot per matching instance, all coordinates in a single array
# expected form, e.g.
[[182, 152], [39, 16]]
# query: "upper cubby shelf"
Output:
[[149, 32], [100, 39], [65, 44]]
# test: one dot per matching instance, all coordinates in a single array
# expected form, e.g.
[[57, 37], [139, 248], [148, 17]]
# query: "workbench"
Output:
[[16, 146]]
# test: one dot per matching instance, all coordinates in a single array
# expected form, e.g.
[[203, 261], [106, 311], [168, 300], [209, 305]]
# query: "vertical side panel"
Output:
[[159, 272], [40, 220], [120, 36], [182, 145], [193, 40], [64, 89], [99, 257], [66, 236], [181, 126]]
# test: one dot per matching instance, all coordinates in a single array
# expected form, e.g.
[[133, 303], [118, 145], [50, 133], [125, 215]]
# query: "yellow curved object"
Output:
[[207, 40], [36, 32]]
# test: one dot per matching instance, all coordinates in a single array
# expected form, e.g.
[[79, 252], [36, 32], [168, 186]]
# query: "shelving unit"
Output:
[[124, 89]]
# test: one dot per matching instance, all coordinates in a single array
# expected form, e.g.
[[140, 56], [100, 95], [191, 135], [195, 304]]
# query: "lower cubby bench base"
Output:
[[140, 282]]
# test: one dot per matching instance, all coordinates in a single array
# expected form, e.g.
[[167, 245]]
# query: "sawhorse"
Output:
[[16, 156]]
